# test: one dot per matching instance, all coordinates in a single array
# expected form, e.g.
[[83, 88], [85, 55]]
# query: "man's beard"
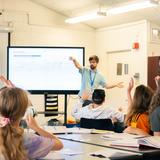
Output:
[[92, 67]]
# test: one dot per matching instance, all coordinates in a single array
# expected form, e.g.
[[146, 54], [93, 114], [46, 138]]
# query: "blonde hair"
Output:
[[13, 104]]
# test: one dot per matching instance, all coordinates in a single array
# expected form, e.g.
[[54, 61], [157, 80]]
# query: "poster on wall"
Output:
[[119, 69]]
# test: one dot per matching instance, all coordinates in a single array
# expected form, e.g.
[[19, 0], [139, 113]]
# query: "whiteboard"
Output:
[[45, 69]]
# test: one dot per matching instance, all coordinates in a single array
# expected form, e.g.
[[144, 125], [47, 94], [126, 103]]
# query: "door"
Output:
[[120, 69], [153, 70]]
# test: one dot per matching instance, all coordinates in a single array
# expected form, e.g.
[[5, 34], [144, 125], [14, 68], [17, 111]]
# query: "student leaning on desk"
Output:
[[96, 110], [15, 144]]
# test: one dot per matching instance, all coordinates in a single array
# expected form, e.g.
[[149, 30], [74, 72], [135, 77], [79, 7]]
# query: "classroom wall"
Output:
[[38, 26], [3, 49], [114, 42], [153, 43]]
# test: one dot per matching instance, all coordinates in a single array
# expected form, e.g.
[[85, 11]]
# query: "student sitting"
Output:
[[15, 144], [137, 119], [155, 109], [96, 110]]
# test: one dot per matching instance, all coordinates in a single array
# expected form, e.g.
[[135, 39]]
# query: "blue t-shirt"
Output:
[[90, 80], [155, 120]]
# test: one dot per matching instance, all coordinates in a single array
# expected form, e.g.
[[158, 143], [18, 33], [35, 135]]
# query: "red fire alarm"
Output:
[[135, 45]]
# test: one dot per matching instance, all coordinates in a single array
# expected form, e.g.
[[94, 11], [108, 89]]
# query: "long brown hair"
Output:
[[141, 101], [13, 104]]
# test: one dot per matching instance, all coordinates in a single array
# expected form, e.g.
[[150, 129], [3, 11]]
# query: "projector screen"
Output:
[[45, 69]]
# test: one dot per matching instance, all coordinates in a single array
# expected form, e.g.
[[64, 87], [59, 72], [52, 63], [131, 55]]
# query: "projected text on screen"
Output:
[[44, 68]]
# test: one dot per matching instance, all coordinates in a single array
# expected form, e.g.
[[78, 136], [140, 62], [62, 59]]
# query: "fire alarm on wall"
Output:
[[135, 45]]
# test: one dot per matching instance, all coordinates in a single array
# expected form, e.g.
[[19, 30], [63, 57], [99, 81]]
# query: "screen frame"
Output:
[[47, 91]]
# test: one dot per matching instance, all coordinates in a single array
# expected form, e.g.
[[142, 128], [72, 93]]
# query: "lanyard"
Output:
[[92, 79]]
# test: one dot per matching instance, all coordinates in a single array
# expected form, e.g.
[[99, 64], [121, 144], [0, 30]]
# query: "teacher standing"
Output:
[[91, 78]]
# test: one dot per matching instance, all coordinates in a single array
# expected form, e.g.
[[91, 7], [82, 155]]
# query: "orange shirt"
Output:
[[141, 121]]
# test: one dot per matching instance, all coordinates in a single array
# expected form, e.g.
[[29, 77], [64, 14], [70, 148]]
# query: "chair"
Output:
[[119, 127], [103, 124]]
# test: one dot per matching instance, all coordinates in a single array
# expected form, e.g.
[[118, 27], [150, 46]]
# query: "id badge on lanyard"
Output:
[[92, 80]]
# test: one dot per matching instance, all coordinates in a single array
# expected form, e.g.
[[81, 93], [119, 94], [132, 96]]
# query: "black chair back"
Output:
[[103, 124]]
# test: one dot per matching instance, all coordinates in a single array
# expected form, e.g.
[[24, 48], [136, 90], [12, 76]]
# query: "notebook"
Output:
[[153, 141], [119, 136], [128, 142], [123, 139]]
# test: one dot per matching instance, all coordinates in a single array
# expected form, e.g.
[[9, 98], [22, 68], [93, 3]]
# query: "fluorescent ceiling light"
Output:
[[132, 7], [85, 17], [117, 10]]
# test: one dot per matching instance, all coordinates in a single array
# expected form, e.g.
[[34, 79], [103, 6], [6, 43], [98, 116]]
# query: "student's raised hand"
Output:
[[157, 80], [120, 85], [130, 85], [6, 82]]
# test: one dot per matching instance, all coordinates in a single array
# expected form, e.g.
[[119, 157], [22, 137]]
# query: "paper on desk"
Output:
[[79, 130], [59, 155], [55, 129], [53, 155], [111, 153], [97, 131], [128, 142], [122, 139], [120, 136], [63, 129], [68, 151]]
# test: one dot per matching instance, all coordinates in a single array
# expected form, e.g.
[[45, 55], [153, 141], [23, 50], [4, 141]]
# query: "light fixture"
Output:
[[117, 10], [133, 7], [98, 14]]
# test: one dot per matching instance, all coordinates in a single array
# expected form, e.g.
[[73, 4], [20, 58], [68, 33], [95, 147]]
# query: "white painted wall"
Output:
[[153, 45], [38, 26], [3, 53], [121, 38]]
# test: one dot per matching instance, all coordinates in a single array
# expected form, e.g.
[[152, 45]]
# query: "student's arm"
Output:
[[133, 130], [117, 115], [129, 89], [76, 63], [31, 122], [110, 86], [157, 81], [6, 82], [77, 109], [156, 133]]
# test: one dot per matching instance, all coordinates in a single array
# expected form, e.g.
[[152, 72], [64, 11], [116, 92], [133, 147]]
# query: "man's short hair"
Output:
[[94, 57], [98, 96]]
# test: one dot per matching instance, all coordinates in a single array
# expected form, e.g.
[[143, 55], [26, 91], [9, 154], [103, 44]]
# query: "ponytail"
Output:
[[12, 140]]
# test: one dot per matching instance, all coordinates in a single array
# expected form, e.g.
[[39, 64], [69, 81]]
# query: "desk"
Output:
[[95, 139], [86, 149]]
